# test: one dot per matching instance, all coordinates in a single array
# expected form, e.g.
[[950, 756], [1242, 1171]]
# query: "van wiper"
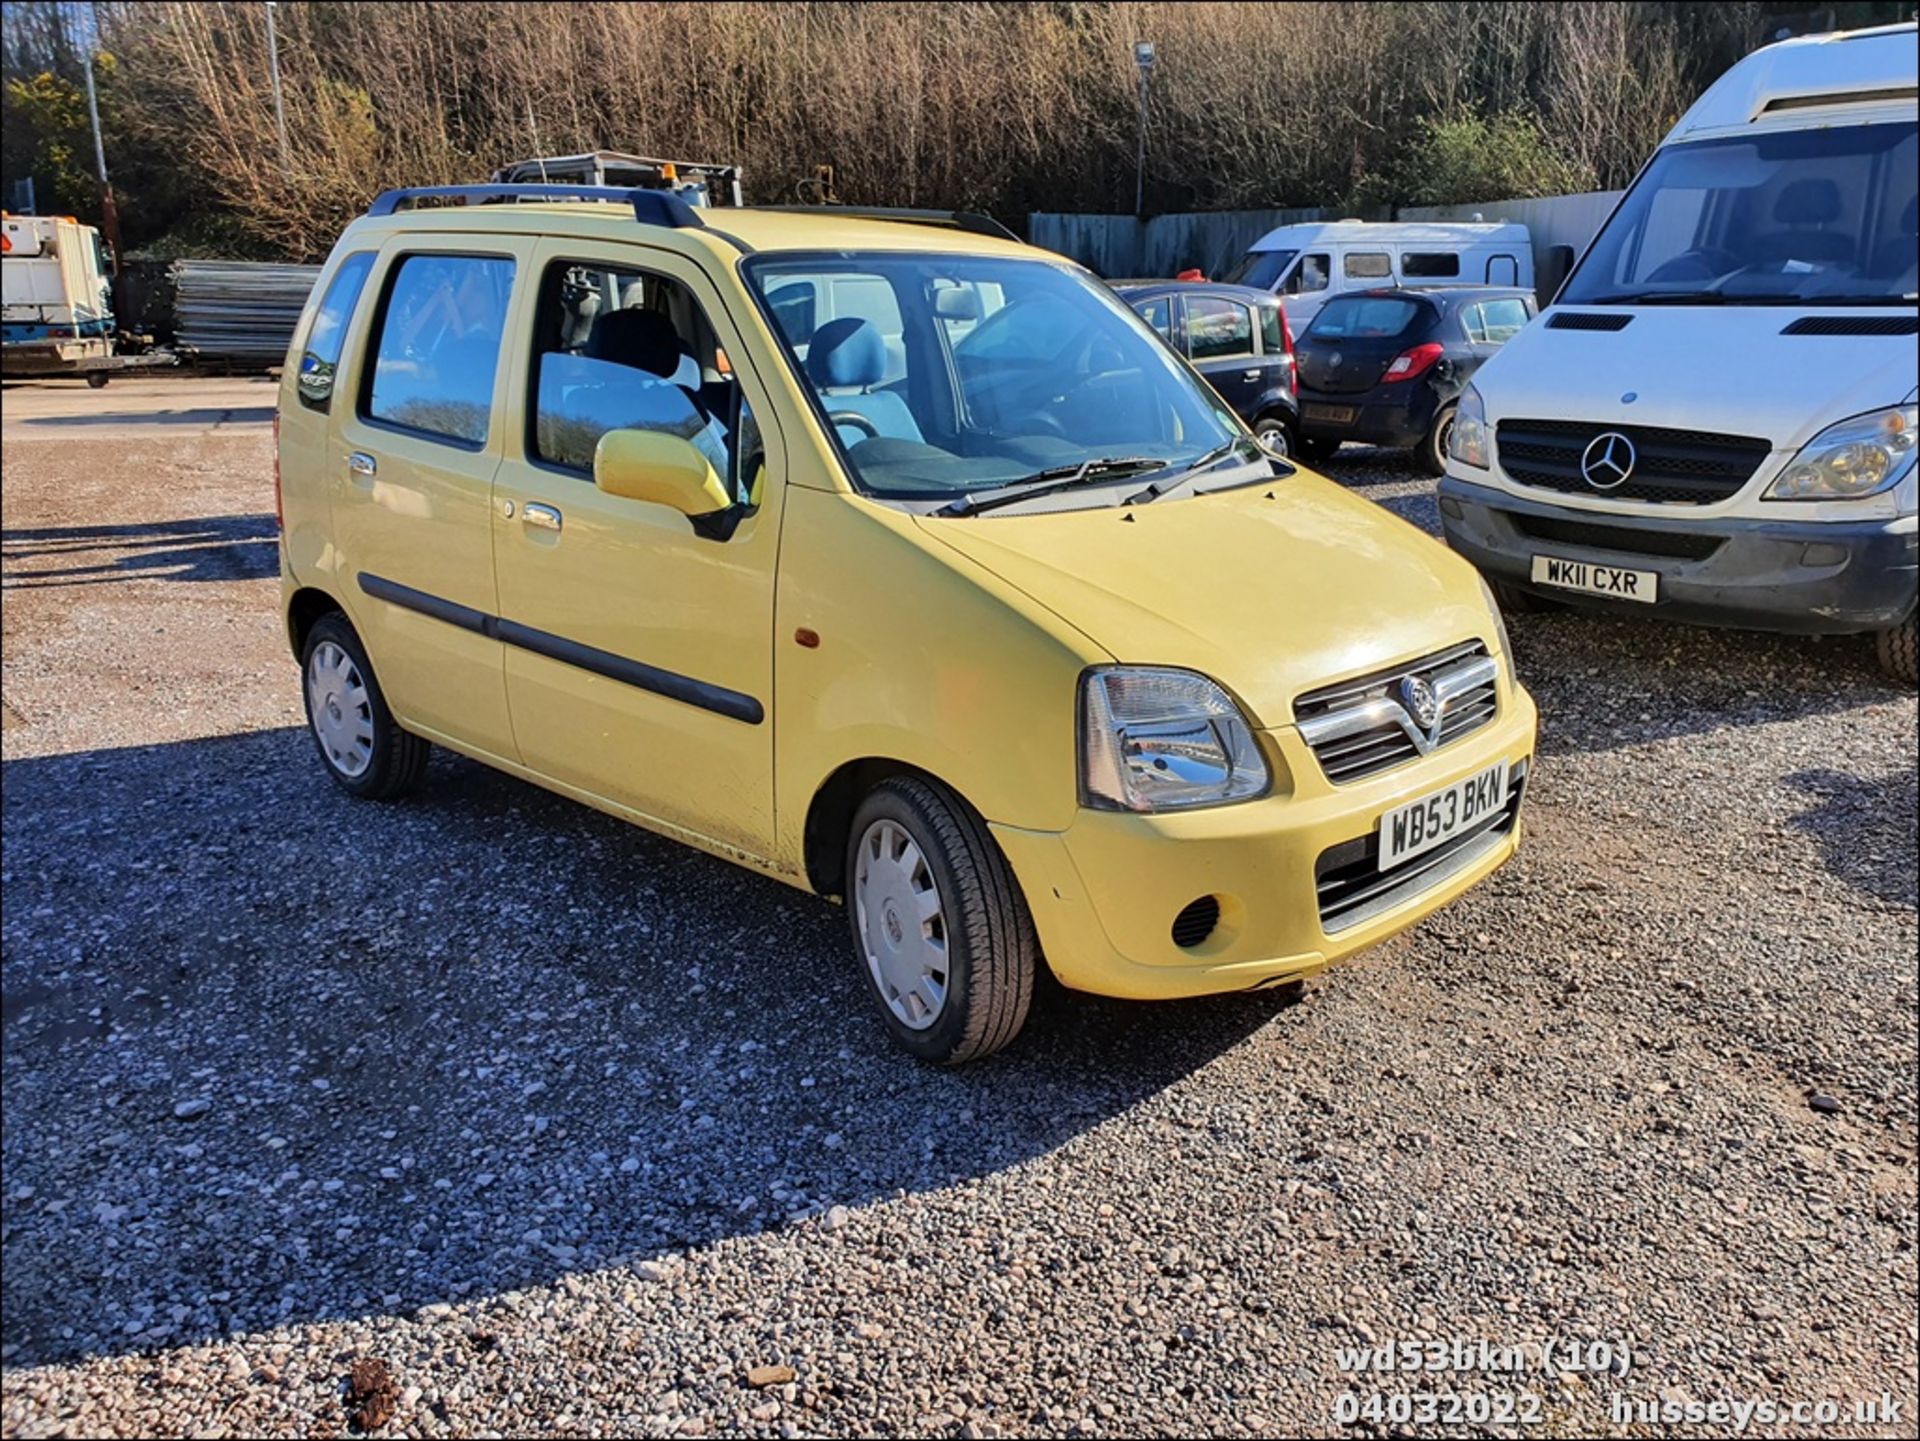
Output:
[[1663, 297], [1048, 482]]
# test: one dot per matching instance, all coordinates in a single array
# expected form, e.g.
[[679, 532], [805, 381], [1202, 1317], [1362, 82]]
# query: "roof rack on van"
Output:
[[969, 220], [650, 207]]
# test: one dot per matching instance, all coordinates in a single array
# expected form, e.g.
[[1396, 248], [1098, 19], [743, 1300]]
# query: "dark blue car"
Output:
[[1238, 339]]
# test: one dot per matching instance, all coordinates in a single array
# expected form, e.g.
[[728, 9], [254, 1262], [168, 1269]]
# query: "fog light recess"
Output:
[[1196, 922]]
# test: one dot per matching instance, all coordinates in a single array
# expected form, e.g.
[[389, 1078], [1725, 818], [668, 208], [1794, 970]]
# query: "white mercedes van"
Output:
[[1715, 420]]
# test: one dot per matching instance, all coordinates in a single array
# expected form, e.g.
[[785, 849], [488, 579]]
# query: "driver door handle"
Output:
[[540, 517]]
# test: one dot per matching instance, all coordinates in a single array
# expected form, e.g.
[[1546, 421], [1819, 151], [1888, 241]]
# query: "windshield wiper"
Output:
[[1662, 297], [1205, 463], [1047, 482]]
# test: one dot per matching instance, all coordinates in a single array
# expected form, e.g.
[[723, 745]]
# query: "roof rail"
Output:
[[969, 220], [650, 207]]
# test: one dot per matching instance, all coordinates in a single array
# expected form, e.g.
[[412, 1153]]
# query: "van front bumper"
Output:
[[1105, 892], [1807, 577]]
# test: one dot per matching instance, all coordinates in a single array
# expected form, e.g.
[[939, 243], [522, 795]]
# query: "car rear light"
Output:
[[1409, 363], [1293, 361], [279, 508]]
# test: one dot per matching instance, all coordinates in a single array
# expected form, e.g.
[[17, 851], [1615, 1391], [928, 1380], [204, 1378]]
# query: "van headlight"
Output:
[[1467, 443], [1856, 457], [1159, 740]]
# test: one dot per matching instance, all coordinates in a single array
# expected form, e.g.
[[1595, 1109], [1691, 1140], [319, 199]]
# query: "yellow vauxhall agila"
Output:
[[891, 558]]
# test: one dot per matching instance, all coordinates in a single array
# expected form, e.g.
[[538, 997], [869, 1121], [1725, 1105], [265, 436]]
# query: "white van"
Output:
[[1310, 264], [1715, 420]]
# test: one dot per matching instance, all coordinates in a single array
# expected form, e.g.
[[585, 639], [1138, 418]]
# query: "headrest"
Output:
[[643, 339], [847, 352], [1809, 201]]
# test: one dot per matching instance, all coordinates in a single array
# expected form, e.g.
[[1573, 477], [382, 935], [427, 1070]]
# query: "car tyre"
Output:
[[1512, 600], [97, 380], [1273, 432], [1431, 453], [931, 899], [1315, 451], [1898, 646], [362, 746]]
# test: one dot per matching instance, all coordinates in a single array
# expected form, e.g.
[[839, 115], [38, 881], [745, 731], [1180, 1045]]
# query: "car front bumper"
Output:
[[1104, 893], [1809, 577]]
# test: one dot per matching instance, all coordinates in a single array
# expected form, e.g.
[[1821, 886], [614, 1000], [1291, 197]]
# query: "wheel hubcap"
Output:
[[341, 709], [902, 924], [1274, 438]]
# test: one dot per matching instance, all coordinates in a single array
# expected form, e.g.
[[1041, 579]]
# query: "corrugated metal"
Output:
[[1551, 220], [238, 311], [1119, 246]]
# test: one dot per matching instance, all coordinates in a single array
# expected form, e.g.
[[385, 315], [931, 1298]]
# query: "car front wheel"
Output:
[[940, 927], [1900, 651]]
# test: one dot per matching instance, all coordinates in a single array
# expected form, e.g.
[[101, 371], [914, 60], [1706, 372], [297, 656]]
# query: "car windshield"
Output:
[[1818, 216], [1363, 317], [1261, 268], [943, 376]]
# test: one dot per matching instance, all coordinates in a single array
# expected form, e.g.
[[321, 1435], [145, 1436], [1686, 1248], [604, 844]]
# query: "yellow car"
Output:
[[887, 556]]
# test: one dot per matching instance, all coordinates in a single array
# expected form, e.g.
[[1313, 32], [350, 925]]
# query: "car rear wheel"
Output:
[[1275, 434], [1898, 652], [940, 927], [1431, 453], [360, 743]]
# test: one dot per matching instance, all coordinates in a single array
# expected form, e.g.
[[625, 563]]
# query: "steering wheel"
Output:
[[855, 419], [1701, 263]]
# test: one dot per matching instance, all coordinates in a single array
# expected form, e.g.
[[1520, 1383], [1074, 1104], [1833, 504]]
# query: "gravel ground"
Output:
[[569, 1128]]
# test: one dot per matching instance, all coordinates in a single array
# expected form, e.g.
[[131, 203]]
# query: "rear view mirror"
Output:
[[663, 469], [959, 302]]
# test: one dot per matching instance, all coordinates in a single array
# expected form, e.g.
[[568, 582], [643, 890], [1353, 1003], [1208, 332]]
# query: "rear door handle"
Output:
[[541, 517], [362, 466], [1252, 374]]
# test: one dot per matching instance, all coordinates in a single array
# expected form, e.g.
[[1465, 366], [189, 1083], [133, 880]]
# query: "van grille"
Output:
[[1352, 889], [1628, 540], [1360, 727], [1671, 467]]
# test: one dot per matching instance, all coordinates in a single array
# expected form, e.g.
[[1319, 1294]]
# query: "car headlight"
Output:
[[1157, 740], [1856, 457], [1467, 443], [1499, 620]]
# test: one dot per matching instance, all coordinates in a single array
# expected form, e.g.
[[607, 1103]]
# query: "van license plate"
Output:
[[1436, 819], [1330, 414], [1607, 580]]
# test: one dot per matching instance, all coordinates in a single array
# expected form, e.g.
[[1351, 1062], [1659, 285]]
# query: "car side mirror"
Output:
[[661, 469]]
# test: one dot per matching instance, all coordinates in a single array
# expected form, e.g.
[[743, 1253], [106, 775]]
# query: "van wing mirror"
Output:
[[663, 469]]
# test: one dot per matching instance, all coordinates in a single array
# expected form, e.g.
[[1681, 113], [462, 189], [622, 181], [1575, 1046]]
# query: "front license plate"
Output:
[[1608, 580], [1436, 819], [1331, 414]]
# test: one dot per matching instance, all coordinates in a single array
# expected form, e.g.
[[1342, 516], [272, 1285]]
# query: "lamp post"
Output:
[[1142, 57], [109, 213], [279, 106]]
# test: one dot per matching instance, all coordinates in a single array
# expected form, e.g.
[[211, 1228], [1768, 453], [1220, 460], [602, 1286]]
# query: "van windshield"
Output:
[[947, 375], [1804, 216], [1261, 269]]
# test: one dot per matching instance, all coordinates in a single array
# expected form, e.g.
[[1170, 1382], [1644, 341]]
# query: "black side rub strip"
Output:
[[730, 703]]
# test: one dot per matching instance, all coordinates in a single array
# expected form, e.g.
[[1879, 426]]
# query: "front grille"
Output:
[[1627, 540], [1587, 320], [1196, 922], [1359, 727], [1352, 889], [1671, 467]]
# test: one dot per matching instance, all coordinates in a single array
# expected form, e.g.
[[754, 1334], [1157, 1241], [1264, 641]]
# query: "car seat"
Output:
[[1801, 208], [1899, 256], [846, 359]]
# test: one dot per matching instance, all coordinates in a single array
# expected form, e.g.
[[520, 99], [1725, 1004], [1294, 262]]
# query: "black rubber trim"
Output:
[[405, 596], [733, 704]]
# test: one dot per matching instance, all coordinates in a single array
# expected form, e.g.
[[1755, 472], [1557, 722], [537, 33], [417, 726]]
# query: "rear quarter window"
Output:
[[320, 358]]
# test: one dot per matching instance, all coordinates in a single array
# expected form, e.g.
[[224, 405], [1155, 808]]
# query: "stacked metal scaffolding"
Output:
[[238, 311]]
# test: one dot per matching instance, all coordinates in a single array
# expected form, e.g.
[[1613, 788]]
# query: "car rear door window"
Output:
[[321, 356], [439, 346], [1430, 265], [1218, 329], [1367, 265], [1503, 319]]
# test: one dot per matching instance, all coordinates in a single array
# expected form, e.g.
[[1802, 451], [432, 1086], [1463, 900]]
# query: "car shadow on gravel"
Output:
[[1865, 829], [275, 1056], [215, 547]]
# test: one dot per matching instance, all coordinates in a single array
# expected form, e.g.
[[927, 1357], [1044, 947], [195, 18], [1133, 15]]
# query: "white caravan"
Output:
[[1715, 421], [1310, 264]]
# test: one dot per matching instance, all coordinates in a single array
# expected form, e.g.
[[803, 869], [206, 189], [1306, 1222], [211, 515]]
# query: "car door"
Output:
[[1220, 343], [411, 465], [639, 665]]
